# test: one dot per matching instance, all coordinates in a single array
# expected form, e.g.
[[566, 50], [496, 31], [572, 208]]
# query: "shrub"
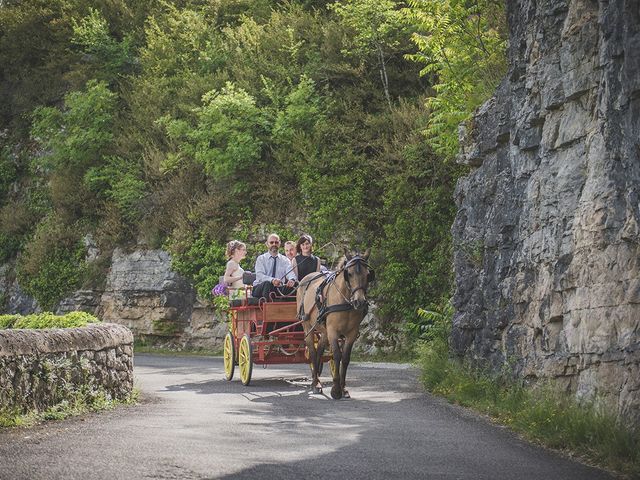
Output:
[[47, 320], [200, 259], [462, 45], [119, 181], [7, 321], [8, 172], [53, 262]]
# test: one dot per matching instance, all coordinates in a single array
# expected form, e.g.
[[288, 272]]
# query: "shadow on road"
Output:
[[423, 434]]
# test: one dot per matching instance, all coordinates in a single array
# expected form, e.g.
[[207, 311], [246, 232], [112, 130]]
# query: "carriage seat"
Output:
[[248, 278], [240, 302]]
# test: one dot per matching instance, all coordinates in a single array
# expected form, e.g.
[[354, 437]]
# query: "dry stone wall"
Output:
[[547, 233], [41, 368]]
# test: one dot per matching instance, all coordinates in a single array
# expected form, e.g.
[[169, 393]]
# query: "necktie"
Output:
[[273, 269]]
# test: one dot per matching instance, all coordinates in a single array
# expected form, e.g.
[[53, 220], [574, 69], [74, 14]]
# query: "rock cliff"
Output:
[[547, 230]]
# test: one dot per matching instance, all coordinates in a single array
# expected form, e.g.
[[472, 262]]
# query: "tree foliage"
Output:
[[379, 30], [462, 46], [186, 124]]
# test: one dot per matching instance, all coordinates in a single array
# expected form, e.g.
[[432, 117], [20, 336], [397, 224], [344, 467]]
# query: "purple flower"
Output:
[[219, 290]]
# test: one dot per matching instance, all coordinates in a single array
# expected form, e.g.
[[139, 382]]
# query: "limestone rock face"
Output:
[[547, 233], [12, 298], [143, 293]]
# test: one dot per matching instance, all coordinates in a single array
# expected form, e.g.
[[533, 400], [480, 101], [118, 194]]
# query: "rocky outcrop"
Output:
[[156, 303], [547, 233], [42, 368], [12, 298]]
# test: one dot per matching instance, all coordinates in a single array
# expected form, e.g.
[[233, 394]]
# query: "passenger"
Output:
[[290, 249], [236, 251], [305, 262], [272, 268]]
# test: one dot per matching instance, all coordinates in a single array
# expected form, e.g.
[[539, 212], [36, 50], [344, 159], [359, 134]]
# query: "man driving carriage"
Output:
[[272, 268]]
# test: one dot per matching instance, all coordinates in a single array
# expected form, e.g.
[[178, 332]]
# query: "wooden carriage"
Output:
[[263, 332]]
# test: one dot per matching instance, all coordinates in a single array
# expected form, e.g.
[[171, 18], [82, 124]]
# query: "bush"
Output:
[[7, 321], [8, 172], [47, 320], [414, 251], [200, 259], [52, 264], [119, 181], [463, 47]]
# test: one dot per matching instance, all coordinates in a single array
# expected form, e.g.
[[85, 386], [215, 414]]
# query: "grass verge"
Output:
[[542, 415], [401, 356], [83, 401], [139, 347]]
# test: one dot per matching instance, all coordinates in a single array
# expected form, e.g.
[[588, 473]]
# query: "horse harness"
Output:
[[321, 299]]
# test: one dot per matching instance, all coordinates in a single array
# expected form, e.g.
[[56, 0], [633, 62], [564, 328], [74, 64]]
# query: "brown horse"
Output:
[[334, 307]]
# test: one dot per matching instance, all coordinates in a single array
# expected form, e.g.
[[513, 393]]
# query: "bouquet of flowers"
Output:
[[219, 290]]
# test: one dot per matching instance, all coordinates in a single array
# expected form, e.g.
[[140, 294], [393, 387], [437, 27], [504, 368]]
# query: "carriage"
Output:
[[263, 332], [272, 331]]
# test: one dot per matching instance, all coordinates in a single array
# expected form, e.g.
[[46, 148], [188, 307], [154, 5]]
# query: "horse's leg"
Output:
[[316, 386], [319, 353], [346, 358], [336, 389]]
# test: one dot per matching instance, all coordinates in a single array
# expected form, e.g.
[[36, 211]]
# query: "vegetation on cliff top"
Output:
[[184, 124]]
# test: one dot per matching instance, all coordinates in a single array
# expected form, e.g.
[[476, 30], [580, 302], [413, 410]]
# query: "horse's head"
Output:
[[357, 275]]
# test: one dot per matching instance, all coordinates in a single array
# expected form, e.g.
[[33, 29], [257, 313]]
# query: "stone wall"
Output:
[[41, 368], [547, 233]]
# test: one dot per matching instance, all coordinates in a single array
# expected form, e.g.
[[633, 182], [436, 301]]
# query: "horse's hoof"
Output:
[[317, 389], [336, 393], [345, 394]]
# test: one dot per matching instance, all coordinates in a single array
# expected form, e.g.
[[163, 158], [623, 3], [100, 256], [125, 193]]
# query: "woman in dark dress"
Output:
[[305, 262]]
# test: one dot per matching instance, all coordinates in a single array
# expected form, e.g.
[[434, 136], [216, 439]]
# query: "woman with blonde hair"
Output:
[[236, 251]]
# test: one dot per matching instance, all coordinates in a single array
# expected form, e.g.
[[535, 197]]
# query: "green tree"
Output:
[[92, 37], [52, 264], [120, 181], [77, 136], [378, 27], [462, 45]]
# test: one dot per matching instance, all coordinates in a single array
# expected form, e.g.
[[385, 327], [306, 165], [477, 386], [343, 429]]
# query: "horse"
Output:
[[334, 307]]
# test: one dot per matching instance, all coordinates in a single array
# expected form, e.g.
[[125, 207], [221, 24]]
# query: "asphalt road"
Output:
[[193, 424]]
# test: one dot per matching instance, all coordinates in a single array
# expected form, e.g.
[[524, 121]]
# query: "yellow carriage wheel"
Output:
[[245, 362], [229, 356]]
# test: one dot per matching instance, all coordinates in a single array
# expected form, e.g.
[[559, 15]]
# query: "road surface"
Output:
[[193, 424]]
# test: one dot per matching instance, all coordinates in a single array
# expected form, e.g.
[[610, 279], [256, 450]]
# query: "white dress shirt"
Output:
[[264, 266]]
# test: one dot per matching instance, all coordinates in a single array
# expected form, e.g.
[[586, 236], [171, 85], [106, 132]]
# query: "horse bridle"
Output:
[[358, 261]]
